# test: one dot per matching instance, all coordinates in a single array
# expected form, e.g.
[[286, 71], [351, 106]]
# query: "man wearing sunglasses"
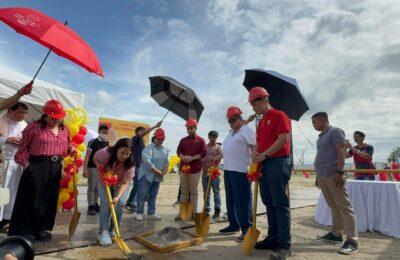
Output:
[[236, 153], [273, 150]]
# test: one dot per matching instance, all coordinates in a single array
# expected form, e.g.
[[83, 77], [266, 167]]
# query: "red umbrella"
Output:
[[54, 35]]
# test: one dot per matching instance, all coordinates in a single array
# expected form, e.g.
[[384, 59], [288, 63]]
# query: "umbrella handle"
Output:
[[171, 106], [45, 58]]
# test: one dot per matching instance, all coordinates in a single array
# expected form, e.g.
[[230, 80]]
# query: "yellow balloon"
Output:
[[73, 129], [81, 147], [63, 196], [68, 160], [70, 186], [78, 154], [76, 177]]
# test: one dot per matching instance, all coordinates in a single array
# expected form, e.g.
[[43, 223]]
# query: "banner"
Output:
[[120, 129]]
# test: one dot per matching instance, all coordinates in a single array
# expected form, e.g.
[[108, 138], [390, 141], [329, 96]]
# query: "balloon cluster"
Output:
[[75, 120], [213, 172], [173, 162], [108, 177], [254, 172], [185, 169]]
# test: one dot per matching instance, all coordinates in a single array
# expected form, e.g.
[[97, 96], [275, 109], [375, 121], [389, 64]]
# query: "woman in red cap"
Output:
[[43, 145], [154, 167]]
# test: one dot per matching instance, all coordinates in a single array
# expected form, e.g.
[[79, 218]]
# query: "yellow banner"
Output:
[[120, 129]]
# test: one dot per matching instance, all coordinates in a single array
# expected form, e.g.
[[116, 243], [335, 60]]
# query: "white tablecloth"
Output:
[[376, 204]]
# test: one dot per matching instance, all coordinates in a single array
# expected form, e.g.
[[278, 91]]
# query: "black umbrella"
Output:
[[176, 97], [284, 92]]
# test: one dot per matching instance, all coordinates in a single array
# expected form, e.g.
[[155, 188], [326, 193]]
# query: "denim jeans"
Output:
[[238, 199], [216, 191], [276, 174], [105, 220], [133, 195], [150, 190]]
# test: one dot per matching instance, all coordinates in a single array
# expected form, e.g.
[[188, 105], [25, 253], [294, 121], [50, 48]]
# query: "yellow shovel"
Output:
[[76, 215], [118, 239], [186, 207], [252, 234], [202, 220]]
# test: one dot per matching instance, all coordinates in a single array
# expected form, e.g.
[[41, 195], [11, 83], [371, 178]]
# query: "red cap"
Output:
[[233, 111], [54, 109], [191, 122], [257, 92], [159, 134]]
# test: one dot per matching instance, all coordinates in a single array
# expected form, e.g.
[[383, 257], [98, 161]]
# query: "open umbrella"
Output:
[[54, 35], [284, 92], [176, 97]]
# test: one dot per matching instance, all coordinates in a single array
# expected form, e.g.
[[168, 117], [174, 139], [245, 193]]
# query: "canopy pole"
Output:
[[171, 106], [45, 58]]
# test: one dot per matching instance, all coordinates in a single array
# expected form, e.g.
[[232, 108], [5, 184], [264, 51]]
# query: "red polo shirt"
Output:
[[273, 123], [191, 146]]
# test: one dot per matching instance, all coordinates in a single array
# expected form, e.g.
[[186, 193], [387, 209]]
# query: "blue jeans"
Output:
[[238, 199], [150, 190], [133, 195], [105, 217], [276, 174], [216, 191]]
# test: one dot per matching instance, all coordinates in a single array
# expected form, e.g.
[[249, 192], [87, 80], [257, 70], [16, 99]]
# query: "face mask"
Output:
[[103, 137]]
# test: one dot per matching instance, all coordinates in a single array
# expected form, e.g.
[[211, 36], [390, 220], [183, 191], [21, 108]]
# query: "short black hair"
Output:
[[322, 115], [18, 105], [361, 134], [138, 129], [103, 127], [213, 133]]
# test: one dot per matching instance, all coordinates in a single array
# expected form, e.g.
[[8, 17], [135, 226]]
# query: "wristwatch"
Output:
[[340, 172]]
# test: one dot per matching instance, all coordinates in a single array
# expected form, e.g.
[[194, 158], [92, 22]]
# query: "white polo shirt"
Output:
[[237, 149]]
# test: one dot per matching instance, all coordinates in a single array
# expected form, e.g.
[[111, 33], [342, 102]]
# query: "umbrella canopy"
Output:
[[176, 97], [52, 34], [284, 92]]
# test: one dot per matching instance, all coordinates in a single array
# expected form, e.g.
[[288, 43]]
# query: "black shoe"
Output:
[[280, 254], [43, 236], [241, 237], [349, 247], [130, 208], [91, 210], [266, 244], [97, 207], [217, 213], [29, 237], [330, 237], [229, 229]]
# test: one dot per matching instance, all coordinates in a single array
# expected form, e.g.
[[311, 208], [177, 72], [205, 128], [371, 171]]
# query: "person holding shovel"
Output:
[[115, 161], [237, 153], [191, 150], [273, 150], [151, 174]]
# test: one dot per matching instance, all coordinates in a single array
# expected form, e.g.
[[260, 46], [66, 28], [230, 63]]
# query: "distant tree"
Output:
[[394, 155]]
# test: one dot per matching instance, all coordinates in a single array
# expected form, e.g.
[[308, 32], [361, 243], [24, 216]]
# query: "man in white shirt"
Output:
[[237, 149], [11, 126]]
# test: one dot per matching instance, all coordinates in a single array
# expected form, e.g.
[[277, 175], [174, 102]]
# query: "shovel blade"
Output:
[[73, 224], [186, 210], [250, 240], [202, 222]]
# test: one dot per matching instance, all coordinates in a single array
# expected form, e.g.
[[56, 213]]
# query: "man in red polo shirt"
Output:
[[273, 150], [191, 150]]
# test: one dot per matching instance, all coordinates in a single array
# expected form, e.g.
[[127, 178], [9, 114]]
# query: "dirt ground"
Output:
[[216, 246]]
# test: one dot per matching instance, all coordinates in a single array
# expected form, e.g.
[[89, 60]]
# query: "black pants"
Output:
[[36, 201]]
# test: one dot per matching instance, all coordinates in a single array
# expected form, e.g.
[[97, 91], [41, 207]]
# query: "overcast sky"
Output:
[[345, 56]]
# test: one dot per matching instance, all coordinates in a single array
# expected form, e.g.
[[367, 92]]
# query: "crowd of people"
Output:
[[33, 169]]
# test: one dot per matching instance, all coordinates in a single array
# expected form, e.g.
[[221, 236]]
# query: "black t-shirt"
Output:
[[137, 148], [95, 145]]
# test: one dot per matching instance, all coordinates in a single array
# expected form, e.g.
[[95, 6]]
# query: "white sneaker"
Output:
[[139, 217], [154, 216], [104, 238]]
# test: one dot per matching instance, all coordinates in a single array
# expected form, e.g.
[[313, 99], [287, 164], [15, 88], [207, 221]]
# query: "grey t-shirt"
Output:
[[326, 160]]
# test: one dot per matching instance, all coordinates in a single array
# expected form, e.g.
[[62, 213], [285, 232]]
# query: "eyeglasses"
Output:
[[232, 120]]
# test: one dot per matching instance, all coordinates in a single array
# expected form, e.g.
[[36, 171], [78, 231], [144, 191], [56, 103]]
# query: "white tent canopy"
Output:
[[41, 93]]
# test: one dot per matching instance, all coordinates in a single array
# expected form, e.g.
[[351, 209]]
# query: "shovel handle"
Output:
[[112, 210], [255, 197], [207, 194]]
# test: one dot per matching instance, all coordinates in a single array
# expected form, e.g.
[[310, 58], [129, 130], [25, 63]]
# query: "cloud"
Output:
[[148, 26]]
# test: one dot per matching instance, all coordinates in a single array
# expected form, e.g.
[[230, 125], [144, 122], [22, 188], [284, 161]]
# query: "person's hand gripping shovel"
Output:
[[202, 220], [252, 234], [186, 207]]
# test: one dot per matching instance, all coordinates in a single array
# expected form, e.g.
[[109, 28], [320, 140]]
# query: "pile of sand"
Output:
[[168, 236]]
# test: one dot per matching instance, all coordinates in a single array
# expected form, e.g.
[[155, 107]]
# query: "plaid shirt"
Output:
[[41, 142]]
